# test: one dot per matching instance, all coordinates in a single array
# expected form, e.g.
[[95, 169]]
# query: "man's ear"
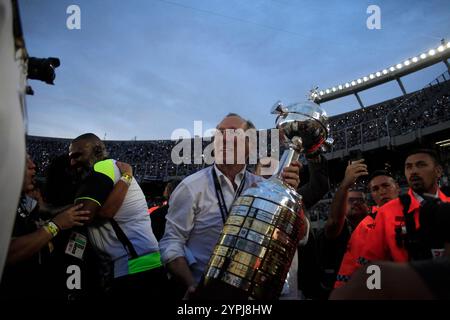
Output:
[[98, 151], [439, 171]]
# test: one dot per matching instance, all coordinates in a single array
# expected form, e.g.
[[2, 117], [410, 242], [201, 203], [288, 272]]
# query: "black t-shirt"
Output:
[[26, 278], [331, 252], [96, 187]]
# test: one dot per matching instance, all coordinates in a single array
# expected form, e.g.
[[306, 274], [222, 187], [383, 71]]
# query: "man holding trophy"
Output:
[[213, 206]]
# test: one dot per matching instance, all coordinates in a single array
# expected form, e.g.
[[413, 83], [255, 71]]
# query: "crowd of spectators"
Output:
[[151, 159], [398, 116]]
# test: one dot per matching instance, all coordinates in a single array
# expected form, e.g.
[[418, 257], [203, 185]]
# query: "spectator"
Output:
[[26, 274], [348, 209], [158, 216]]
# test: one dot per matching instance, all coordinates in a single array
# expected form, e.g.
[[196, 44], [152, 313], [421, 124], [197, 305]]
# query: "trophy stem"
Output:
[[287, 158]]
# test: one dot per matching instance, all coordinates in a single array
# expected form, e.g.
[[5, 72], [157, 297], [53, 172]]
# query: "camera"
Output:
[[43, 69]]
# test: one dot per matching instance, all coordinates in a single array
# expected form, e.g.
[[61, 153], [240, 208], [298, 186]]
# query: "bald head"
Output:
[[86, 150]]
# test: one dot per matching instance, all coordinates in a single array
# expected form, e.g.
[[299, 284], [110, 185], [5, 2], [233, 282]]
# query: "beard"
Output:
[[417, 184]]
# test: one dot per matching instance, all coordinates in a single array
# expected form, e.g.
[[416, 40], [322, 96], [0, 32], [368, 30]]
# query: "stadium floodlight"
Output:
[[321, 93], [395, 71], [443, 141]]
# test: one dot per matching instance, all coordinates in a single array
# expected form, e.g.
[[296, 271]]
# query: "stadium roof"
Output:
[[394, 72]]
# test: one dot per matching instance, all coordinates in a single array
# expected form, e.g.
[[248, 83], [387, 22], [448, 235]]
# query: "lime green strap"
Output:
[[87, 198], [144, 263]]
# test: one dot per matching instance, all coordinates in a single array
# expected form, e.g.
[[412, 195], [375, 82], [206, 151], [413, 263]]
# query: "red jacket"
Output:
[[380, 243], [355, 248]]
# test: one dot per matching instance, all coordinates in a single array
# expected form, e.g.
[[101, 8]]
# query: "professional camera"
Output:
[[43, 69], [435, 221]]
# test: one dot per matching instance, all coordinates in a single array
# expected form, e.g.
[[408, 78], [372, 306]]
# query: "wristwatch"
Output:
[[51, 228], [126, 178]]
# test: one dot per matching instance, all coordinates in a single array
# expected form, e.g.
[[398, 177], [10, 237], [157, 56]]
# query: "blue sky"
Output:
[[145, 68]]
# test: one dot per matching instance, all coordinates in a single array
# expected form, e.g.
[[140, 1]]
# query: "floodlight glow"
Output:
[[448, 44], [371, 76], [423, 56], [327, 91], [353, 83], [334, 89], [321, 93], [392, 68], [385, 71], [441, 48], [431, 52], [407, 63], [378, 73], [340, 87], [399, 66], [415, 59], [347, 85], [365, 79], [359, 80]]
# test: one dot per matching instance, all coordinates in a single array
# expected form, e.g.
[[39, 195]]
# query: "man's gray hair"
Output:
[[248, 123]]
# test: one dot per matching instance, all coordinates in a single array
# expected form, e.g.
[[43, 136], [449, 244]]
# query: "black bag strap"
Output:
[[123, 238], [417, 250]]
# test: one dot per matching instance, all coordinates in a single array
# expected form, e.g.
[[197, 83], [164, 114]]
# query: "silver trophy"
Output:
[[266, 223]]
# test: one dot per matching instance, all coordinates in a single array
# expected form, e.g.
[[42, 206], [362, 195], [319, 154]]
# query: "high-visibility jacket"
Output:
[[381, 243], [350, 261]]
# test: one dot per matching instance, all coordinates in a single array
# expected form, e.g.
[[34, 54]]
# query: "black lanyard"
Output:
[[221, 200]]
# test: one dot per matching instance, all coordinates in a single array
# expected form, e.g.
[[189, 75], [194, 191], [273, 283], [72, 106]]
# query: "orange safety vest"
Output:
[[380, 243]]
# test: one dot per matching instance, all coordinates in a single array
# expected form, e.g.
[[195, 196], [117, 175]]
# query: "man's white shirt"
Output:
[[194, 221]]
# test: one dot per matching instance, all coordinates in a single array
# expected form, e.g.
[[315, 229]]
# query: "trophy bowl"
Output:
[[305, 120]]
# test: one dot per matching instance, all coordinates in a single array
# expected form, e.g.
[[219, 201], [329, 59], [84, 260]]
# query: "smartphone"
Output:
[[361, 182]]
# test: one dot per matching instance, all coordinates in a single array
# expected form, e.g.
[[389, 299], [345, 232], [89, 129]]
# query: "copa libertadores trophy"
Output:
[[258, 242]]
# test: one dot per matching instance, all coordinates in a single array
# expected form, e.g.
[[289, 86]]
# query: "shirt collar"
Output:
[[224, 179], [420, 198]]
